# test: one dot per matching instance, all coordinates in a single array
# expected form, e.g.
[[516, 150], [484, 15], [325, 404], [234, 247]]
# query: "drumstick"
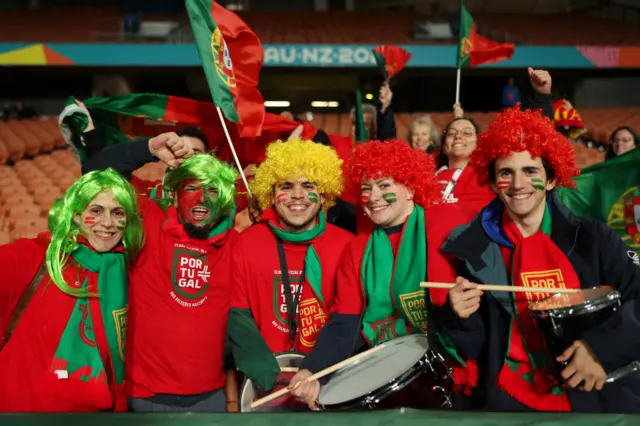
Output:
[[318, 375], [512, 288], [289, 369]]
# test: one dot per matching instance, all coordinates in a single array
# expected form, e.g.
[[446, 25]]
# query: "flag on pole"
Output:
[[610, 192], [232, 57], [473, 49], [390, 59], [121, 119], [361, 131]]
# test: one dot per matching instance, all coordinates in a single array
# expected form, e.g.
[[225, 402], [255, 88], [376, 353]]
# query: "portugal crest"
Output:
[[624, 218], [466, 47], [221, 59], [120, 320]]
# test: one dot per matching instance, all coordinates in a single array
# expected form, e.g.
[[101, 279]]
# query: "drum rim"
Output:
[[384, 388], [245, 383], [579, 309]]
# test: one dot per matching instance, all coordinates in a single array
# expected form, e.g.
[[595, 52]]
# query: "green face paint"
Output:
[[537, 184], [390, 197], [120, 225], [313, 197]]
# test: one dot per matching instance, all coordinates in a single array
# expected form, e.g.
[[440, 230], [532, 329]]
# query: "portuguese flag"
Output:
[[121, 119], [232, 56], [610, 192], [473, 49]]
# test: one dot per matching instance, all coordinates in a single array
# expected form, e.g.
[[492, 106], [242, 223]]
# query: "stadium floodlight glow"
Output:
[[276, 104], [369, 96], [325, 104]]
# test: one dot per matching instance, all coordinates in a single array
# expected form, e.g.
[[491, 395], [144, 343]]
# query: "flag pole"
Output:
[[458, 86], [233, 151]]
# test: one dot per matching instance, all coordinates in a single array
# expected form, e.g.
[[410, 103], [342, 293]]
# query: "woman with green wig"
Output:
[[63, 302]]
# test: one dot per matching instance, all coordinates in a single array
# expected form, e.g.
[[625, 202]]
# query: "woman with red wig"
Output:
[[524, 238], [378, 270]]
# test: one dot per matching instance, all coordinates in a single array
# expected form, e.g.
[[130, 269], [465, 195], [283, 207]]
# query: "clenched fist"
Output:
[[540, 81], [464, 298], [170, 148]]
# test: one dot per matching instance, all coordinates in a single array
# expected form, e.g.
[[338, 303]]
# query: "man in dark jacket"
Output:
[[523, 238]]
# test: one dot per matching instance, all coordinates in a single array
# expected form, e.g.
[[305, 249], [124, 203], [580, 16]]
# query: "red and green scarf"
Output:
[[311, 307], [384, 275], [89, 362], [526, 374]]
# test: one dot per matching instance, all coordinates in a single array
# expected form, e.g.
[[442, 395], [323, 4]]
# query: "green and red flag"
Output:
[[232, 57], [473, 49], [361, 134], [391, 60], [610, 192], [121, 119]]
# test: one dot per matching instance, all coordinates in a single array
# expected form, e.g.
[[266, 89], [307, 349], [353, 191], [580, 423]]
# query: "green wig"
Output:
[[211, 172], [65, 230]]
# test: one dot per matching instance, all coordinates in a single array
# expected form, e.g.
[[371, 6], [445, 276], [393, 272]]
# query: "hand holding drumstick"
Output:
[[464, 298], [305, 391]]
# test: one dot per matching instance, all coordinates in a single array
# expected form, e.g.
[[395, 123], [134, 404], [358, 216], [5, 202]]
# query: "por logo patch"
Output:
[[120, 320], [279, 299], [221, 59], [190, 274], [542, 279], [414, 306]]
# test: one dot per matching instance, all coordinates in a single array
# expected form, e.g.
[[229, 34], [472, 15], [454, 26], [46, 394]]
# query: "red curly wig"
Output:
[[397, 160], [514, 130]]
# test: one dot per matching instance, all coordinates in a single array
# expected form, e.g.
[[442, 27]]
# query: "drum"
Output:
[[289, 363], [563, 319], [405, 373]]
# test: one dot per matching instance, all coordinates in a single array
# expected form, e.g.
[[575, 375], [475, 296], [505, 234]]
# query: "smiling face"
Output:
[[386, 202], [460, 140], [421, 137], [521, 182], [197, 205], [623, 142], [297, 203], [102, 222]]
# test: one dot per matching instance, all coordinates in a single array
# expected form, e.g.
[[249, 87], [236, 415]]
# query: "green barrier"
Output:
[[404, 417]]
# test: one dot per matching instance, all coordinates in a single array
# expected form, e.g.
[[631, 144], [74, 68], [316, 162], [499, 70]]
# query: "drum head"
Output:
[[250, 392], [587, 300], [373, 372]]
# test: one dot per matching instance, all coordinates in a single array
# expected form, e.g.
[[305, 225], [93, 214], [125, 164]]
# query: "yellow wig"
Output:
[[294, 159]]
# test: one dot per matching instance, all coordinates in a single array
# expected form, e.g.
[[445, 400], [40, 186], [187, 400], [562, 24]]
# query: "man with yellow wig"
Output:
[[287, 262]]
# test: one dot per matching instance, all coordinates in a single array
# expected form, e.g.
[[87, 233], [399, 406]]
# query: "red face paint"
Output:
[[187, 200], [503, 184], [364, 199], [89, 220], [281, 198]]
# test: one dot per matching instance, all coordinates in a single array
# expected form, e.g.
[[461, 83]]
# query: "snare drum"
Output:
[[289, 363], [405, 373], [563, 319]]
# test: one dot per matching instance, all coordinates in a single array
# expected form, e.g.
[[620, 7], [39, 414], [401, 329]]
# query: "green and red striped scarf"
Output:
[[384, 274], [526, 374]]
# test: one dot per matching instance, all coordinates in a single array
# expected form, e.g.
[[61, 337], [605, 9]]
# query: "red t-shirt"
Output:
[[440, 220], [178, 307], [27, 382], [258, 283], [467, 192]]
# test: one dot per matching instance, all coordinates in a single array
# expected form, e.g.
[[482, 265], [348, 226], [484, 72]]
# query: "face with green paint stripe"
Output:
[[297, 202], [386, 202], [102, 222], [197, 205], [521, 182]]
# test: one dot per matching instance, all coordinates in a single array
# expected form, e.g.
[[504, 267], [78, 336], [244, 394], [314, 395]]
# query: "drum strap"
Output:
[[291, 301]]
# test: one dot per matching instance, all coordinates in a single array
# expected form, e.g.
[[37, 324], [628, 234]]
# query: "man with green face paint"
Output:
[[179, 289], [286, 263]]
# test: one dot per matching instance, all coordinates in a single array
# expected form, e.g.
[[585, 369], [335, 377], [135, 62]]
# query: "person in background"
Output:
[[423, 135], [460, 183], [63, 302], [623, 139], [510, 94]]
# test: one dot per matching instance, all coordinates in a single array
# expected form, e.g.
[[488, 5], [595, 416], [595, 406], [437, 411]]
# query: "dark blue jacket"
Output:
[[598, 256]]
